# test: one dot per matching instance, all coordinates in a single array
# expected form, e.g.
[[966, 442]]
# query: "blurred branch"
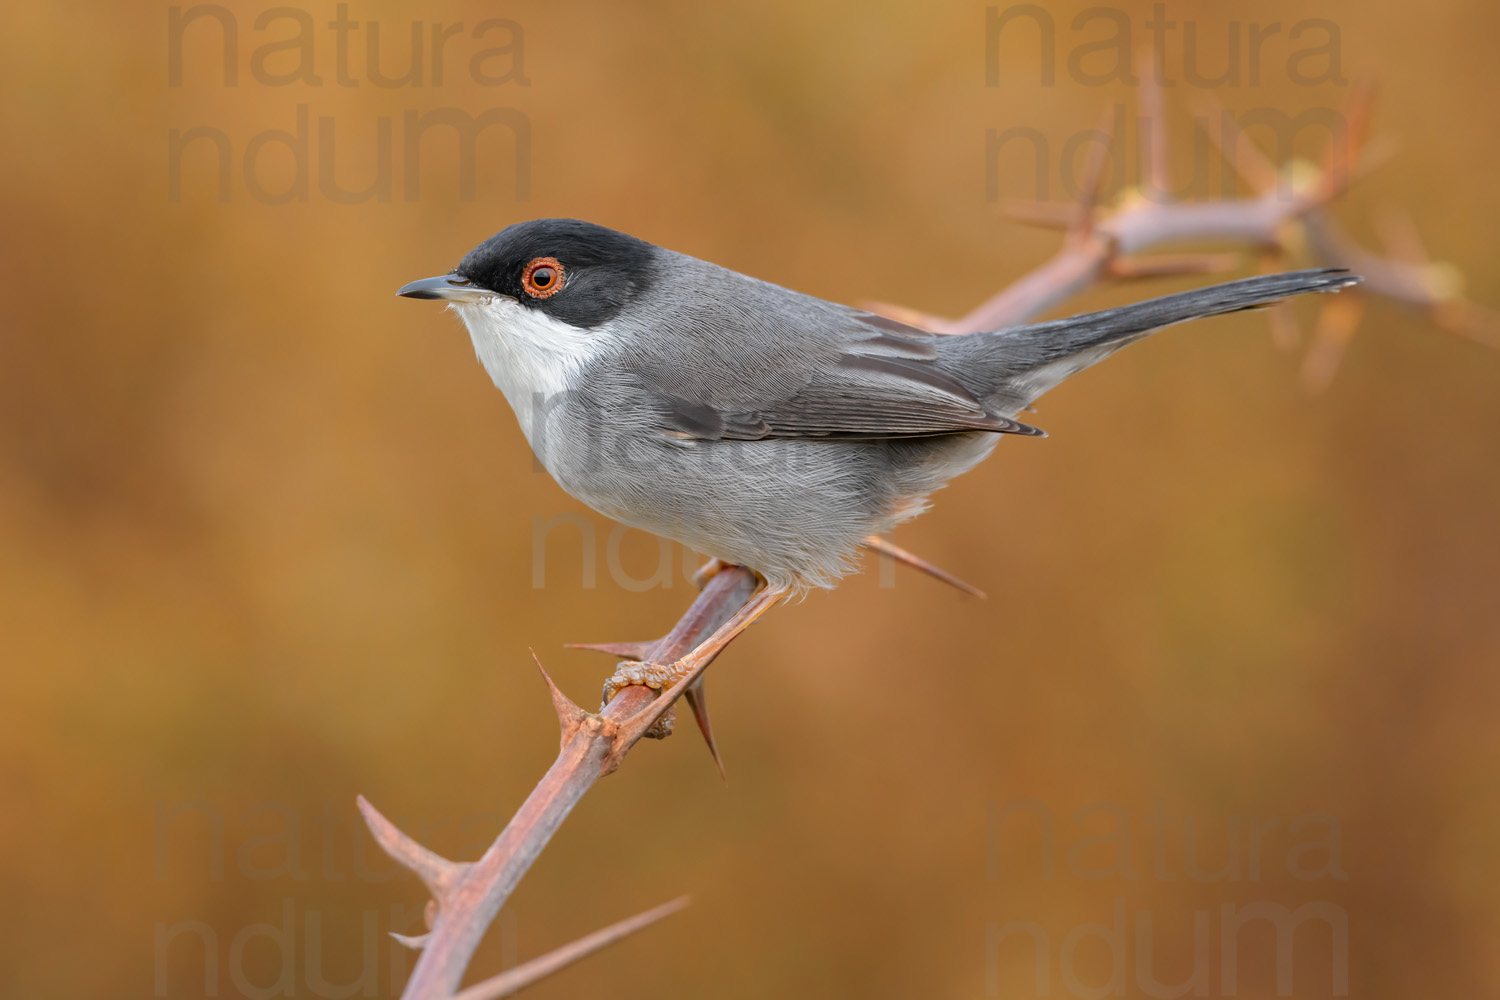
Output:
[[1287, 213], [467, 897]]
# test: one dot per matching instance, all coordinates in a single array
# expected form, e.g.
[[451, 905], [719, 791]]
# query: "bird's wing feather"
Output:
[[867, 378]]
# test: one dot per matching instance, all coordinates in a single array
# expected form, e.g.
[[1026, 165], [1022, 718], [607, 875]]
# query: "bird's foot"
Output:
[[660, 676], [657, 677]]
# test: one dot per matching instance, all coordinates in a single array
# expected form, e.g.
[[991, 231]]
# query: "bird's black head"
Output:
[[573, 271]]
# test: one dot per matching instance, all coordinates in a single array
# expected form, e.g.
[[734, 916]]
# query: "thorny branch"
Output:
[[467, 897], [1287, 214]]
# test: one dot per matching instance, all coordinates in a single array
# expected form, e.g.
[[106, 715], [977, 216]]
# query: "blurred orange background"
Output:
[[268, 530]]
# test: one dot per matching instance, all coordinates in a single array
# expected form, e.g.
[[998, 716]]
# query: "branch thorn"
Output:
[[1337, 321], [514, 980], [416, 942], [623, 650], [569, 715], [436, 872], [1093, 183], [697, 700], [888, 548]]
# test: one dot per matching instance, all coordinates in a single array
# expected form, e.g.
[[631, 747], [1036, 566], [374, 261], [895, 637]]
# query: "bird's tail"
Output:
[[1025, 361]]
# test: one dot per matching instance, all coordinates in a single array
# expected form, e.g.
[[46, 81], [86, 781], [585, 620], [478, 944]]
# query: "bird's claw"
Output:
[[655, 676]]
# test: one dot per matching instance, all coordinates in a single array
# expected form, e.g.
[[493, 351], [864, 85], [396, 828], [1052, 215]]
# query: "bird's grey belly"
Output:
[[794, 510]]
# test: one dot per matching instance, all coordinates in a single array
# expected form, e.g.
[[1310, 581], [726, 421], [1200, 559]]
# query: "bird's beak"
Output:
[[448, 286]]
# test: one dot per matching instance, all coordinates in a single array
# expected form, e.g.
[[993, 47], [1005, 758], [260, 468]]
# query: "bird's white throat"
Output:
[[531, 356]]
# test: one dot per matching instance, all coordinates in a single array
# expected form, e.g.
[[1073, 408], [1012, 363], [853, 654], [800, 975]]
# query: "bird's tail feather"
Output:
[[1031, 359]]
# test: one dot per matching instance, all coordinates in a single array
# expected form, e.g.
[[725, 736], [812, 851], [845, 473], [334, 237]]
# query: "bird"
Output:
[[761, 426]]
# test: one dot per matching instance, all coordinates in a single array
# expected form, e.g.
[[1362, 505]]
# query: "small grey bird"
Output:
[[764, 427]]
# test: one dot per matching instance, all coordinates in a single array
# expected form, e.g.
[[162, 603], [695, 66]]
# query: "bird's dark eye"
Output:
[[543, 277]]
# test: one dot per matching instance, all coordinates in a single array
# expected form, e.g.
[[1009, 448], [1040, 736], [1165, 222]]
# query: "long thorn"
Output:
[[622, 650], [1237, 149], [1346, 161], [1155, 119], [886, 548], [1337, 321], [697, 699], [522, 976], [1093, 182], [569, 715]]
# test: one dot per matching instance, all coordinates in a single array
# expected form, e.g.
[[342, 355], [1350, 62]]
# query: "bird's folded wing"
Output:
[[878, 386]]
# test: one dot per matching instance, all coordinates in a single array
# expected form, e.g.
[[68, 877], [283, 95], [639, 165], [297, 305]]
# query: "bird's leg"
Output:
[[708, 571], [695, 695], [663, 675]]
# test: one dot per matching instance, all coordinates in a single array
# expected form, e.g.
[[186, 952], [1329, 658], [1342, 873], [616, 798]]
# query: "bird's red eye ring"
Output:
[[542, 278]]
